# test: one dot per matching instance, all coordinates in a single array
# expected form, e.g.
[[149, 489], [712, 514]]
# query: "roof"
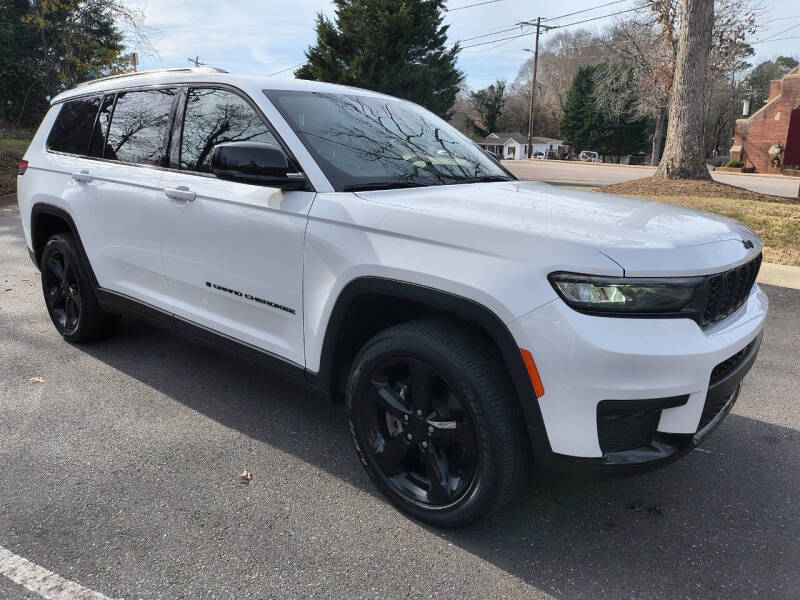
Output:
[[250, 84], [503, 137]]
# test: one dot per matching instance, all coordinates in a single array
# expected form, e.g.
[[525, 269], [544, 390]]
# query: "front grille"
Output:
[[726, 292], [726, 366], [626, 431]]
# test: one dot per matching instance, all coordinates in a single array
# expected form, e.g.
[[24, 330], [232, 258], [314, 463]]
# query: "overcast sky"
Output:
[[262, 37]]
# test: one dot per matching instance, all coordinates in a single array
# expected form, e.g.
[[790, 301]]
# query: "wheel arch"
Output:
[[46, 221], [352, 322]]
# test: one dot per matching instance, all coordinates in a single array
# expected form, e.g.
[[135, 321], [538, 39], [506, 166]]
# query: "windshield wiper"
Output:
[[383, 185], [483, 179]]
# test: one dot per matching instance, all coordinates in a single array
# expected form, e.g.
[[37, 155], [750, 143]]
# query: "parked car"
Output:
[[474, 324], [589, 156], [538, 155]]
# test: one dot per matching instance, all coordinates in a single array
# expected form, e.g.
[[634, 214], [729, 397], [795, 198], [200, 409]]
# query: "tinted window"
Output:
[[374, 141], [101, 127], [213, 117], [73, 126], [139, 127]]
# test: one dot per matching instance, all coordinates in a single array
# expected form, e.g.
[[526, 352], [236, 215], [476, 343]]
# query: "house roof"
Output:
[[502, 137]]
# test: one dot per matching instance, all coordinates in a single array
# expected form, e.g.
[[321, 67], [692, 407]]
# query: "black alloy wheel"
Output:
[[62, 294], [432, 419], [69, 294], [419, 432]]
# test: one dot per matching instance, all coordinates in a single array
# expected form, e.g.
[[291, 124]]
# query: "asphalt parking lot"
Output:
[[117, 472]]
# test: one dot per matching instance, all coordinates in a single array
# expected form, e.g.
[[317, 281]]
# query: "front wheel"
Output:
[[431, 418]]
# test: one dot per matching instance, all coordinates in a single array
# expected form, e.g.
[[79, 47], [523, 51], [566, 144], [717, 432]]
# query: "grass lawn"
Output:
[[12, 146], [777, 223]]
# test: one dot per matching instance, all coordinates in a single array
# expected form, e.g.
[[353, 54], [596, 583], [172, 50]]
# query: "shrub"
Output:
[[736, 164]]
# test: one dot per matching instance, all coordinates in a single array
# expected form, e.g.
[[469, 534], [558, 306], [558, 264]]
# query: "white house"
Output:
[[509, 145]]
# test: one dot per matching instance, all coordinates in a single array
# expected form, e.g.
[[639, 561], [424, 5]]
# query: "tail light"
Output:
[[23, 166]]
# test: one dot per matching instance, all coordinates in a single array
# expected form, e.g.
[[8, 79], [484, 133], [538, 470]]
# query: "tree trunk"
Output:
[[658, 135], [685, 147]]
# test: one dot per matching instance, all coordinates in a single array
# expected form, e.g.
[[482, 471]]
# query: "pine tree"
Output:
[[392, 46], [582, 126]]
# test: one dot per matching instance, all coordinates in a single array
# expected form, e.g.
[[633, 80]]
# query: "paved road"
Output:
[[117, 472], [577, 173]]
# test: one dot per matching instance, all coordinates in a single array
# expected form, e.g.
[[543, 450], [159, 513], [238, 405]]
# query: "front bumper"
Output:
[[602, 371]]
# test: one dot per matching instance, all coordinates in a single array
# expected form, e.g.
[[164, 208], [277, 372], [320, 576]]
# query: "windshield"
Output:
[[368, 142]]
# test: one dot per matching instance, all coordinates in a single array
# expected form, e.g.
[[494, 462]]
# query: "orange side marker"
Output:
[[533, 372]]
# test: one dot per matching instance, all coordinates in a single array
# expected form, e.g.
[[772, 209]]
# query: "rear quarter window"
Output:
[[72, 129]]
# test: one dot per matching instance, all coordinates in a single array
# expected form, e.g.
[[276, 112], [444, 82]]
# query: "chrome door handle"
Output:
[[181, 192], [82, 177]]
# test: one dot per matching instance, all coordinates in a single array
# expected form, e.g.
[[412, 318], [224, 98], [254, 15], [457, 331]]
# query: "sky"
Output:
[[269, 36]]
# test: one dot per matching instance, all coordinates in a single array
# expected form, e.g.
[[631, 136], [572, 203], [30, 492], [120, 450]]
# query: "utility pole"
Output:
[[533, 82], [196, 61]]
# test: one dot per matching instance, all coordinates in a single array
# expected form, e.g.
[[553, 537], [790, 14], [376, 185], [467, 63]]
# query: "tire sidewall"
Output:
[[61, 243], [473, 503]]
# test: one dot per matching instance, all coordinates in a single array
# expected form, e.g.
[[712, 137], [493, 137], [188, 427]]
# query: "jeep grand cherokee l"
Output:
[[474, 324]]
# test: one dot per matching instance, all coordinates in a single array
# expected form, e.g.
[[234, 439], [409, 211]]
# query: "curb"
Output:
[[780, 275]]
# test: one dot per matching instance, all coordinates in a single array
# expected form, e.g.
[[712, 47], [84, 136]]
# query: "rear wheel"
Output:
[[69, 295], [431, 419]]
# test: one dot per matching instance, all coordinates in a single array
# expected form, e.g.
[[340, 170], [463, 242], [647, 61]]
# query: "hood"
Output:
[[644, 238]]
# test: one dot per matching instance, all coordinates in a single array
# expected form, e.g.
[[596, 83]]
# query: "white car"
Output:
[[474, 324]]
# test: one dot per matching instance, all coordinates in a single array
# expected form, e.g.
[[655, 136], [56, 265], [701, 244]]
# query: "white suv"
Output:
[[472, 322]]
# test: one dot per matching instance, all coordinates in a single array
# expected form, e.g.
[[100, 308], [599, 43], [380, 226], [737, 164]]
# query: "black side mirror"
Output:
[[256, 163]]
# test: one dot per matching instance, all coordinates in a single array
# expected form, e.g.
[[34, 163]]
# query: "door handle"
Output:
[[181, 192], [82, 176]]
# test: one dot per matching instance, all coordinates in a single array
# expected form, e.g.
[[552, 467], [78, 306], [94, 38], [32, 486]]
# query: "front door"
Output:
[[233, 252]]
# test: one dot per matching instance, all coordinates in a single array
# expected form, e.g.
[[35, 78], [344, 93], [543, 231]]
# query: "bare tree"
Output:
[[685, 146]]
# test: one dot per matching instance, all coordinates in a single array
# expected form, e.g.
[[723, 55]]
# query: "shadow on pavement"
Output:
[[722, 522]]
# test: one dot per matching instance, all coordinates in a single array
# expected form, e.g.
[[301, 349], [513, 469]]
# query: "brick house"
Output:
[[773, 130]]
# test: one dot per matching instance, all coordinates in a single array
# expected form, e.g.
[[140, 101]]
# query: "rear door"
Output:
[[233, 252], [121, 224]]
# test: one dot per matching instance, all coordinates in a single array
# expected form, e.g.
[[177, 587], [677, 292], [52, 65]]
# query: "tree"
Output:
[[391, 46], [603, 122], [582, 124], [758, 80], [47, 46], [684, 151], [488, 104]]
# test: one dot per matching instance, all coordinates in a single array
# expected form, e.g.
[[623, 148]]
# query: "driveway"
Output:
[[594, 174], [117, 473]]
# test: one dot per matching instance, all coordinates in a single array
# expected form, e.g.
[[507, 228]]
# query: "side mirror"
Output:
[[256, 163]]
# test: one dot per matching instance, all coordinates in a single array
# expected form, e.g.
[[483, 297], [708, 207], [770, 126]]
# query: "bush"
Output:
[[736, 164]]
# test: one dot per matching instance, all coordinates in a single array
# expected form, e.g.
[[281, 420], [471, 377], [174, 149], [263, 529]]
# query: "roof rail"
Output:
[[153, 71]]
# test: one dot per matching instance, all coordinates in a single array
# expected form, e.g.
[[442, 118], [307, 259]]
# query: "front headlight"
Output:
[[680, 296]]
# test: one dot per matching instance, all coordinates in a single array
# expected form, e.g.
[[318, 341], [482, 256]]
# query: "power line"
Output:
[[621, 12], [577, 12], [477, 37], [512, 37], [794, 37], [471, 5], [780, 33]]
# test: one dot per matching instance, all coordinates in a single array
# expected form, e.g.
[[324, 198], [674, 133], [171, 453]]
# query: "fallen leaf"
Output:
[[244, 477], [36, 380]]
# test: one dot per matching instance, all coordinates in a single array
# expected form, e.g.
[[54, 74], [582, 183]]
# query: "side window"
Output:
[[101, 127], [73, 126], [213, 117], [139, 127]]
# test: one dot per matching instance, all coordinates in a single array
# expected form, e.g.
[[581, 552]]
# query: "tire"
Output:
[[428, 464], [69, 295]]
